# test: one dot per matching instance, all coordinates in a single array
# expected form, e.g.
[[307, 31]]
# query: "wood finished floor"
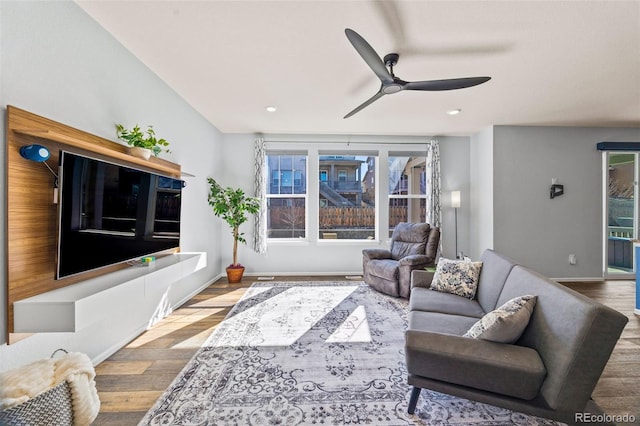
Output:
[[130, 381]]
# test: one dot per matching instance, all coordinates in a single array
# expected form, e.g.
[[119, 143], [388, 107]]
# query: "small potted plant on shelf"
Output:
[[142, 145], [232, 205]]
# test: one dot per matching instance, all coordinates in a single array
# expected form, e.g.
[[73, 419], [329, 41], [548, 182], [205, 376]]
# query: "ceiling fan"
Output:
[[392, 84]]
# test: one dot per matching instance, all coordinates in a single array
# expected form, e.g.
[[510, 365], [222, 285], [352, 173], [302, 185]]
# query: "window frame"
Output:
[[313, 148]]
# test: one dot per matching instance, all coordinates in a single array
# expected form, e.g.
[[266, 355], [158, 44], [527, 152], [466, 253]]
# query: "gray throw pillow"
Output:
[[505, 324], [458, 277]]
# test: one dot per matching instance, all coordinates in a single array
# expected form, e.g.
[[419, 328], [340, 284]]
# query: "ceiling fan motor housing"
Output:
[[391, 59]]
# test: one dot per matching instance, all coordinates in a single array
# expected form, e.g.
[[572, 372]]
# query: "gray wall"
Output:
[[528, 225], [59, 63]]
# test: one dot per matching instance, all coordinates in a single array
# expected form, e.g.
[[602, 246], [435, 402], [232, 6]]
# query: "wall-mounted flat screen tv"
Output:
[[110, 214]]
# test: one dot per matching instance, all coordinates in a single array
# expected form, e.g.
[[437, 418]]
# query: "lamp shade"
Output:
[[37, 153], [455, 199]]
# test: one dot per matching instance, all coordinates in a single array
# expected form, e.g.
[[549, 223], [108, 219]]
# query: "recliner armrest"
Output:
[[371, 254], [416, 260]]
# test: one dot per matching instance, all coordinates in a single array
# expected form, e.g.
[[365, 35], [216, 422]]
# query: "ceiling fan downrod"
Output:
[[390, 60]]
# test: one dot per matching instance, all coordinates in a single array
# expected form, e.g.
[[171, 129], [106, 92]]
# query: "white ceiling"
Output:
[[569, 63]]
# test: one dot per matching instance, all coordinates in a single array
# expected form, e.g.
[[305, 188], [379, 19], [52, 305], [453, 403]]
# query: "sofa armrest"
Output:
[[421, 278], [371, 254], [502, 368]]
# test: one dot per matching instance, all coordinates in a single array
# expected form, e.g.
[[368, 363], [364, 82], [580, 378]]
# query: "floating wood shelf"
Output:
[[154, 163]]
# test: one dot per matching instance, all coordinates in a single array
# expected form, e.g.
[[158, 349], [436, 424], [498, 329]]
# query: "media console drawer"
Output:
[[74, 307]]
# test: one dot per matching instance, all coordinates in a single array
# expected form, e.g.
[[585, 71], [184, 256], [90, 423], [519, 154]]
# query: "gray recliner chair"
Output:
[[413, 246]]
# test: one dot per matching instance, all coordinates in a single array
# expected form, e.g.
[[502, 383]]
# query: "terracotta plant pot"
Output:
[[234, 275]]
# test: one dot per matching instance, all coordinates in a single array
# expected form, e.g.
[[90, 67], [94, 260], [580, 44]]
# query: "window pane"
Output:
[[287, 174], [286, 218], [347, 197], [406, 210], [407, 190], [407, 175], [621, 212]]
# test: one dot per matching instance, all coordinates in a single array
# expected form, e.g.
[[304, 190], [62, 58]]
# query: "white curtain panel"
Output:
[[434, 215], [260, 223]]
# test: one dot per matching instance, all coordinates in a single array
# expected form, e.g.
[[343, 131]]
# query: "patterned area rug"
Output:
[[311, 353]]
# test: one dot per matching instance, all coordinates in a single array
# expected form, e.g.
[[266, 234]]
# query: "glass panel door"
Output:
[[621, 211]]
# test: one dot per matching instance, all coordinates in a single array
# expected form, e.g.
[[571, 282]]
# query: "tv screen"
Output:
[[110, 214]]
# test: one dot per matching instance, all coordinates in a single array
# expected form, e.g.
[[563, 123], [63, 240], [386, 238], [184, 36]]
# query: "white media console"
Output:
[[144, 293]]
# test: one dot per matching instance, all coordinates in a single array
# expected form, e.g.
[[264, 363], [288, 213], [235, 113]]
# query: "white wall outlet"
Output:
[[572, 259]]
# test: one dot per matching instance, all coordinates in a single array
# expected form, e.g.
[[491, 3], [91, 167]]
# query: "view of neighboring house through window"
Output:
[[286, 195], [346, 196], [407, 189]]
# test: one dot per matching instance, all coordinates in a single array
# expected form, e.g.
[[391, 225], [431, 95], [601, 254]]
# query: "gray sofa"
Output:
[[551, 369]]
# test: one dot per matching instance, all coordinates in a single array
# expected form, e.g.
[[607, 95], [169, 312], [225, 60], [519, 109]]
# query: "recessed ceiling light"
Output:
[[271, 108], [454, 111]]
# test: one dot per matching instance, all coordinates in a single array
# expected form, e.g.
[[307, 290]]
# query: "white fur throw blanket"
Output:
[[23, 383]]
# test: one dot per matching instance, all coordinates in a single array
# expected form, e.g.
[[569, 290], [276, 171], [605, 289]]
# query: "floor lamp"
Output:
[[455, 203]]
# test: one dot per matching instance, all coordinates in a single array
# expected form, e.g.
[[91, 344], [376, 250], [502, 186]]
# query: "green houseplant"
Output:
[[233, 206], [136, 138]]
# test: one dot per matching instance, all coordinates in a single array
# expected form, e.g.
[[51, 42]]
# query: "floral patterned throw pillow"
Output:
[[458, 277], [507, 323]]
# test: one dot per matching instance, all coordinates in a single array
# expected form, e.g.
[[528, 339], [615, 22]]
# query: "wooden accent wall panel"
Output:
[[31, 212]]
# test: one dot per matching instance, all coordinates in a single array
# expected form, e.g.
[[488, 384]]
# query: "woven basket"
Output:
[[51, 408]]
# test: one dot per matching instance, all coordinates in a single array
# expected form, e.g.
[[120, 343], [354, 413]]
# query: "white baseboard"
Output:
[[579, 279], [301, 274]]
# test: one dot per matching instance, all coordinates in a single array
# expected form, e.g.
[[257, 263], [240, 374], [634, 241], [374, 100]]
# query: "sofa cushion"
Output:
[[458, 277], [512, 370], [435, 322], [424, 299], [505, 324]]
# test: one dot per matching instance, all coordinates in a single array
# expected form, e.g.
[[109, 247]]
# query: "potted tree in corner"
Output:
[[233, 206]]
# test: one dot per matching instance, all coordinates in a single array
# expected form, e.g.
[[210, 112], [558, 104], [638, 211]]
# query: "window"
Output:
[[286, 195], [407, 189], [346, 205]]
